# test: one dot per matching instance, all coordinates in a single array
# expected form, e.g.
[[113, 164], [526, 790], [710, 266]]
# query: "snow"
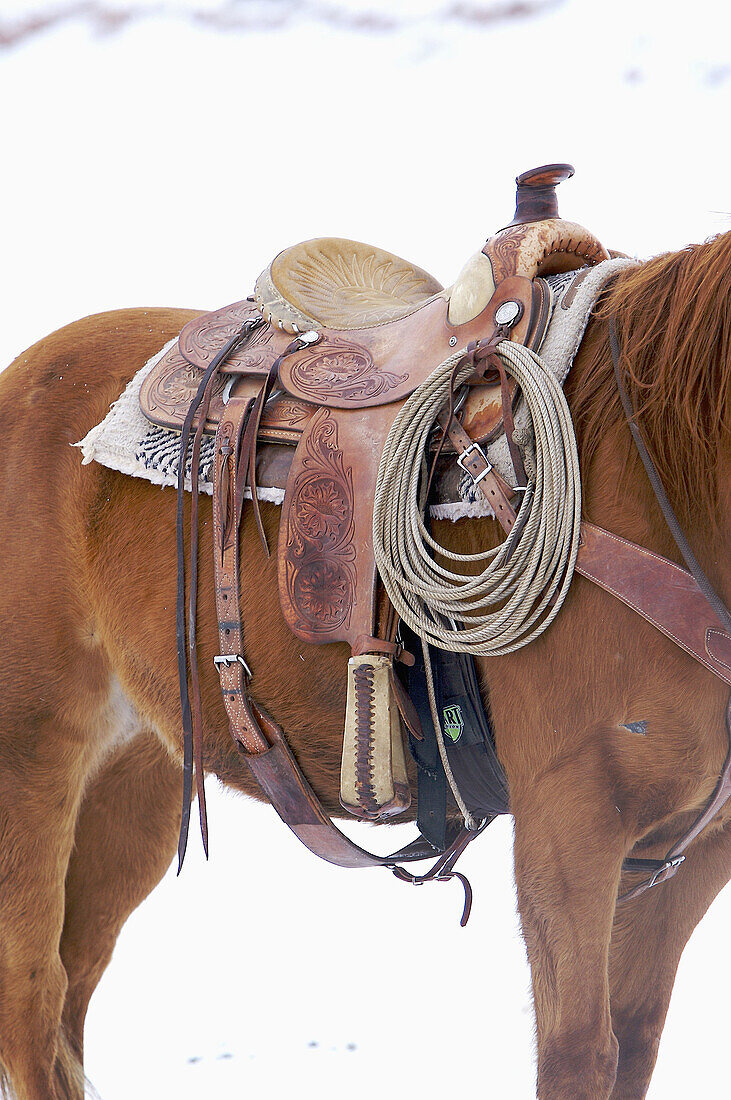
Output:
[[165, 162]]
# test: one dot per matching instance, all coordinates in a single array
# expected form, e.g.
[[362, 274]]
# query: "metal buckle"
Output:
[[461, 462], [669, 865], [225, 660]]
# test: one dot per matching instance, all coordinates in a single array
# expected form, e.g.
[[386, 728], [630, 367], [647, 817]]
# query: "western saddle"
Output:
[[301, 384]]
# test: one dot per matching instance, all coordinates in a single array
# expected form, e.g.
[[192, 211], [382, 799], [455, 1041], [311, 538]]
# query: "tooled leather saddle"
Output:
[[301, 384], [337, 336]]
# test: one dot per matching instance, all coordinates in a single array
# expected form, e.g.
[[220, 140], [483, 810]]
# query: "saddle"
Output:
[[301, 384]]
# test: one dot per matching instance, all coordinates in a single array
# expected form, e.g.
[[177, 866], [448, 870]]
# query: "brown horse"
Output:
[[611, 737]]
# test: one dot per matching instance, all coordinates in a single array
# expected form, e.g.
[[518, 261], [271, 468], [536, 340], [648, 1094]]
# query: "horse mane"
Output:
[[673, 317]]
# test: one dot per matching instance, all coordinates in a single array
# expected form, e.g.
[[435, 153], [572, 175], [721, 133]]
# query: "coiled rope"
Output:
[[525, 581]]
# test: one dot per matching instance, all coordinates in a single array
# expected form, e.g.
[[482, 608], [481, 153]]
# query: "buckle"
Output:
[[226, 660], [461, 462], [669, 865]]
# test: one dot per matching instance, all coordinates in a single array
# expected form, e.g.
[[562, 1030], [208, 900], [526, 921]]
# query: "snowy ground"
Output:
[[159, 153]]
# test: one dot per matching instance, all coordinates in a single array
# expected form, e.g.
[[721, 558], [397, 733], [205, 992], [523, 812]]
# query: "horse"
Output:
[[611, 737]]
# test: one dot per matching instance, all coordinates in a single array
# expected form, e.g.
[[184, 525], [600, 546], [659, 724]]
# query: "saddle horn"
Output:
[[536, 242]]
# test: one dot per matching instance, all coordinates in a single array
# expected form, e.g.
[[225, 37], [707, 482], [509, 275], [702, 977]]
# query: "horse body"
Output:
[[610, 736]]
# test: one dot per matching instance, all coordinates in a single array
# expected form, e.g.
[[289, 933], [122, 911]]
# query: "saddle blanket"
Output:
[[125, 441]]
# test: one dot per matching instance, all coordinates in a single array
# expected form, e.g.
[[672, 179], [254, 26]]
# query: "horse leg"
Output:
[[126, 836], [43, 768], [649, 935], [569, 846]]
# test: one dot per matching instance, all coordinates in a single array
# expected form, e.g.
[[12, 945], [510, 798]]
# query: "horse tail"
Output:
[[673, 316], [70, 1082]]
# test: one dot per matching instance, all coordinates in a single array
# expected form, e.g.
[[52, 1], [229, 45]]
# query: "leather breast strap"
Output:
[[659, 590]]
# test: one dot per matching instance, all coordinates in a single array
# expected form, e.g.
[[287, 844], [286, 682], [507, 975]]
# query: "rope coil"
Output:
[[517, 594]]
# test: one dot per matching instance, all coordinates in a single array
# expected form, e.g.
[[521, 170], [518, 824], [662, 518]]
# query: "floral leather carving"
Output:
[[327, 571], [342, 370], [317, 573], [337, 283]]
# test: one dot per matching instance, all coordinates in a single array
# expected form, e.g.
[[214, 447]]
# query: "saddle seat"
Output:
[[332, 282]]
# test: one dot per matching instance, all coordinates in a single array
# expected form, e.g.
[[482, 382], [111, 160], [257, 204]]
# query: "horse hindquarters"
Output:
[[59, 701], [124, 839], [36, 839], [47, 749]]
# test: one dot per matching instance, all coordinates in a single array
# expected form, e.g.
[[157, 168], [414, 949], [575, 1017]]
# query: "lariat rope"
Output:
[[525, 581]]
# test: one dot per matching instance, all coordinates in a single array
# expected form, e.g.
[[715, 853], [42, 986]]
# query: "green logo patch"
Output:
[[453, 722]]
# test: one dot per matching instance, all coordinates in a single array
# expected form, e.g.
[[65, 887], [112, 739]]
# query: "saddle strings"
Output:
[[186, 631], [523, 585]]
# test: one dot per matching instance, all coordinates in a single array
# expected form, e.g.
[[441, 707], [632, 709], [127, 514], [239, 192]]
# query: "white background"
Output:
[[156, 153]]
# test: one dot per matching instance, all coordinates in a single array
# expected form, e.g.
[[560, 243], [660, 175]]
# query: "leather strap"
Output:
[[365, 643], [279, 776], [230, 663], [202, 396], [443, 869], [660, 591], [472, 458], [235, 455], [195, 695]]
